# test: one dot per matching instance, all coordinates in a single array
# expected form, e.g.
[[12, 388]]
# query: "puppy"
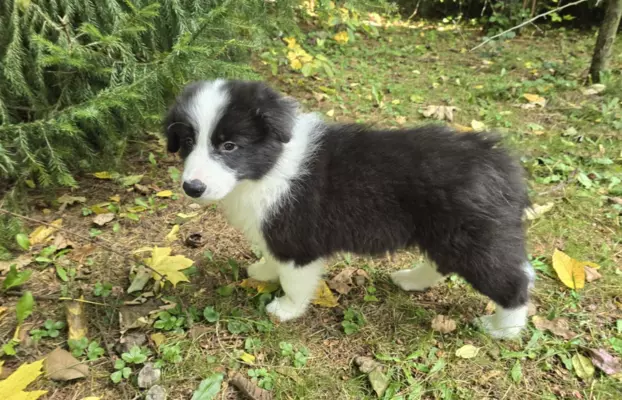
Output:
[[303, 189]]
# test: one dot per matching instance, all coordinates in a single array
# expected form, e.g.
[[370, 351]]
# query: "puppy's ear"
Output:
[[173, 142], [277, 113]]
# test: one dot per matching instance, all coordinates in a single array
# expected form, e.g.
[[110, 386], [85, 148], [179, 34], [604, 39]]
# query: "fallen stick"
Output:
[[248, 388]]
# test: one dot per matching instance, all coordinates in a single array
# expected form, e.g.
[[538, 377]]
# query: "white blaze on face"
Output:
[[206, 109]]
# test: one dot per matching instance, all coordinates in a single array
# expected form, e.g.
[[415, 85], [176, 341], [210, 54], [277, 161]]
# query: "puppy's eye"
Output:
[[228, 146]]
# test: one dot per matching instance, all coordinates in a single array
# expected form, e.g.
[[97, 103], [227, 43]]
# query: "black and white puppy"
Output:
[[303, 189]]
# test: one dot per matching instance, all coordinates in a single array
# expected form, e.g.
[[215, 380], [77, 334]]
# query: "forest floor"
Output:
[[530, 89]]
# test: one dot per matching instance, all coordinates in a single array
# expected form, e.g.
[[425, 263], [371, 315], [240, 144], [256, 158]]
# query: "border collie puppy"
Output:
[[303, 189]]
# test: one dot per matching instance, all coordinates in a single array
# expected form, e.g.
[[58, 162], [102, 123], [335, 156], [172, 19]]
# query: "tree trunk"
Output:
[[606, 38]]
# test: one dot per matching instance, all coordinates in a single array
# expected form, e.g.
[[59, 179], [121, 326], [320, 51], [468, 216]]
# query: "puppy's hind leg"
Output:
[[299, 284], [417, 279]]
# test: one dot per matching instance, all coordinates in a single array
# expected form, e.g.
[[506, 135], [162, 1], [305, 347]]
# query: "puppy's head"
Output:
[[227, 132]]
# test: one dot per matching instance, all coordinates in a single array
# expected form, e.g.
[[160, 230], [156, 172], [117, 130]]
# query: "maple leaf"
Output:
[[168, 266], [12, 388]]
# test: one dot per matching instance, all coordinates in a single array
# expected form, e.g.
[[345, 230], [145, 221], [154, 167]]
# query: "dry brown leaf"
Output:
[[591, 274], [60, 365], [103, 219], [260, 286], [606, 362], [61, 242], [78, 254], [537, 210], [594, 89], [443, 324], [76, 320], [442, 113], [66, 200], [342, 282], [375, 373], [558, 326], [19, 262]]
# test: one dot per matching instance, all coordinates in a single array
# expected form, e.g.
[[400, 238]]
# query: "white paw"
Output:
[[284, 309], [416, 279], [263, 271], [488, 324]]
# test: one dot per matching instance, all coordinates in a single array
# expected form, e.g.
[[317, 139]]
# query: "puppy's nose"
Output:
[[194, 188]]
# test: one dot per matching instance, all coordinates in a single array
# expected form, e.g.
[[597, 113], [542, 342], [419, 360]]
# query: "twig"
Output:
[[528, 22], [248, 388], [107, 246]]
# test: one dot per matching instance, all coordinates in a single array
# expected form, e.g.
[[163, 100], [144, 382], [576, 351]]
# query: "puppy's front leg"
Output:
[[299, 284]]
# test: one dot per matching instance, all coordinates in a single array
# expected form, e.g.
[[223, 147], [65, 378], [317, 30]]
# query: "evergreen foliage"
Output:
[[80, 77]]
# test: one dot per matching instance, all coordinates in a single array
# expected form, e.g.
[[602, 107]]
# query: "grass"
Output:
[[572, 149]]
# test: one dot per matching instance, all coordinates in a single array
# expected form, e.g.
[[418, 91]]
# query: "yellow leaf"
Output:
[[116, 198], [330, 113], [291, 42], [158, 338], [296, 64], [136, 209], [91, 398], [168, 266], [41, 233], [100, 208], [172, 235], [103, 175], [478, 87], [467, 351], [462, 128], [76, 320], [535, 99], [396, 102], [324, 297], [247, 358], [341, 37], [570, 271], [262, 287], [478, 125], [165, 193], [12, 388]]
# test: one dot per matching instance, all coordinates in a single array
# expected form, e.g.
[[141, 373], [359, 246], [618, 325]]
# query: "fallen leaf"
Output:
[[148, 376], [594, 89], [341, 37], [400, 119], [60, 365], [101, 208], [164, 193], [76, 319], [583, 366], [478, 126], [136, 316], [570, 271], [103, 219], [208, 388], [172, 235], [140, 279], [91, 398], [66, 200], [13, 386], [130, 180], [467, 351], [20, 262], [142, 189], [462, 128], [260, 286], [182, 218], [41, 233], [168, 266], [156, 392], [538, 210], [375, 374], [116, 198], [440, 112], [158, 339], [535, 99], [324, 297], [103, 175], [247, 358], [591, 274], [80, 253], [606, 362], [61, 242], [330, 113], [342, 282], [443, 324], [558, 326]]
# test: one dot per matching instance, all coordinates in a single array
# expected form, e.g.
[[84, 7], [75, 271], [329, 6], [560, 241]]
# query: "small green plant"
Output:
[[171, 353], [262, 378], [102, 289], [15, 278], [50, 329], [352, 322], [210, 314], [251, 344], [169, 322], [370, 294], [136, 355], [122, 372], [299, 356]]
